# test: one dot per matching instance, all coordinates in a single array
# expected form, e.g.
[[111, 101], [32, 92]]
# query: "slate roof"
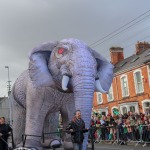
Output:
[[132, 61]]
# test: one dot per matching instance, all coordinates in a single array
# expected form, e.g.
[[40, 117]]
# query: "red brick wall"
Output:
[[133, 97]]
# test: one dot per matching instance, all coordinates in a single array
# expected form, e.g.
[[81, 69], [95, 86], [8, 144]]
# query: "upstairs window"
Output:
[[99, 98], [138, 82], [124, 85], [110, 94]]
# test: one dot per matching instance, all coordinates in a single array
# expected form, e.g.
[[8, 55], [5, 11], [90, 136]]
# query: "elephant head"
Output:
[[71, 66]]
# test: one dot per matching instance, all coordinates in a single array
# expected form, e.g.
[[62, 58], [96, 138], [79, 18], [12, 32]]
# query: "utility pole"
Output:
[[9, 92]]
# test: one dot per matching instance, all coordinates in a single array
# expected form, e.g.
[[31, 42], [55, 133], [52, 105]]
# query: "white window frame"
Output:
[[124, 76], [148, 72], [111, 89], [135, 81], [97, 94], [143, 102], [100, 110], [128, 105], [122, 110]]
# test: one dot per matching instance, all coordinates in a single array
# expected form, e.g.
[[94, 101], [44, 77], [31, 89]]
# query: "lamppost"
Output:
[[9, 92]]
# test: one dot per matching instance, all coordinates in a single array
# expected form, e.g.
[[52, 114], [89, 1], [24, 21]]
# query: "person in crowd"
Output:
[[128, 125], [92, 131], [5, 131], [120, 117], [98, 130], [110, 131], [120, 131], [77, 127], [131, 125], [111, 119], [104, 130], [115, 122]]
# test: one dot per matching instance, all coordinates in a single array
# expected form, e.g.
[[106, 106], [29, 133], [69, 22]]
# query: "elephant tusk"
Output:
[[99, 87], [65, 81]]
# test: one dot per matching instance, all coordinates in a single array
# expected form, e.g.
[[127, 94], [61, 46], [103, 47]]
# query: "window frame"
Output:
[[110, 100], [97, 94], [124, 76], [135, 81], [148, 72]]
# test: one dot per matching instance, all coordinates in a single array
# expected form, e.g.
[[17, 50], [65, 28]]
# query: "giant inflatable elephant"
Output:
[[62, 76]]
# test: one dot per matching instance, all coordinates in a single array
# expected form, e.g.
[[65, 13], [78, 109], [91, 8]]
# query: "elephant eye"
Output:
[[60, 50]]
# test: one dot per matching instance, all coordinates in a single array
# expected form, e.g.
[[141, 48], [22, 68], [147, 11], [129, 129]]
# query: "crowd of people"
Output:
[[5, 131], [128, 127]]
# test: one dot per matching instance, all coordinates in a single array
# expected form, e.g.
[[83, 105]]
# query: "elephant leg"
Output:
[[18, 122], [67, 113], [51, 124], [37, 108]]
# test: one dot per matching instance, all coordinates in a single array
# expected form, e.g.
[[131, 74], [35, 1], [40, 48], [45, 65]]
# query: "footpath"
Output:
[[102, 146]]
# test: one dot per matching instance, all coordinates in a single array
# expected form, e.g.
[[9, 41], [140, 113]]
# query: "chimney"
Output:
[[141, 46], [116, 54]]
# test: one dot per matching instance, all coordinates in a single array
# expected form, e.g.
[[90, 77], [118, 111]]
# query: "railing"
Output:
[[138, 135]]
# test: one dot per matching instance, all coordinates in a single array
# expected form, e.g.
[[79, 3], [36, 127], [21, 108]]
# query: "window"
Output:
[[124, 109], [129, 106], [138, 82], [122, 64], [99, 98], [147, 108], [104, 113], [132, 108], [110, 94], [124, 85], [134, 59]]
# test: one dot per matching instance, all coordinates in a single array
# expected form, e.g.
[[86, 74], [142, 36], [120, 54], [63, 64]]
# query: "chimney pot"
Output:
[[141, 46], [116, 54]]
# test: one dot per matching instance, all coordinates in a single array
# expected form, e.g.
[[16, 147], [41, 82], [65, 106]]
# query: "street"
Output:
[[102, 146], [119, 147]]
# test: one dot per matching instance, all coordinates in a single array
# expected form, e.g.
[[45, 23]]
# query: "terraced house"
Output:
[[130, 90]]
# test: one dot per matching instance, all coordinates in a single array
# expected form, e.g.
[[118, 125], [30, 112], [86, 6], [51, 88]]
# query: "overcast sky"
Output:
[[25, 24]]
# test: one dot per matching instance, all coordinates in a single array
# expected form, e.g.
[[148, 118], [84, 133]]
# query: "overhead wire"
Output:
[[120, 32], [147, 37], [117, 30], [133, 35]]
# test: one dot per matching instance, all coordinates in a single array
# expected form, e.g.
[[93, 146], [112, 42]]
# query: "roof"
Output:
[[132, 61]]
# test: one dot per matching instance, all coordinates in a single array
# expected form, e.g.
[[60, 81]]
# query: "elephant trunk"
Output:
[[83, 83], [83, 96]]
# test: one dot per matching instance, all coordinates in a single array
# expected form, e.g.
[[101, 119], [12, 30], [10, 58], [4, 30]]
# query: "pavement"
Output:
[[102, 146]]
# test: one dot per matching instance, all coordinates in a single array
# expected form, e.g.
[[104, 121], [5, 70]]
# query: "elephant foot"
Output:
[[31, 144], [68, 145], [53, 143]]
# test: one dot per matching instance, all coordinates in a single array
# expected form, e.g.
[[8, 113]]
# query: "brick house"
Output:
[[130, 89]]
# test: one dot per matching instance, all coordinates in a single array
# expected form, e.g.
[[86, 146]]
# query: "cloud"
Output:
[[25, 24]]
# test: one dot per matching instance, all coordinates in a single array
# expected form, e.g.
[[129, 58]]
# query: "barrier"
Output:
[[138, 134]]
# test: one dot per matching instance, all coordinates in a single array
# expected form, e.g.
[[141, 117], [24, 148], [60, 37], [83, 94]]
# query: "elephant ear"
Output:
[[104, 72], [38, 66]]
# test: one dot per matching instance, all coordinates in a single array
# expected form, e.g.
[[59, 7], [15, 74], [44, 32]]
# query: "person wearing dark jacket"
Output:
[[77, 127], [5, 130]]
